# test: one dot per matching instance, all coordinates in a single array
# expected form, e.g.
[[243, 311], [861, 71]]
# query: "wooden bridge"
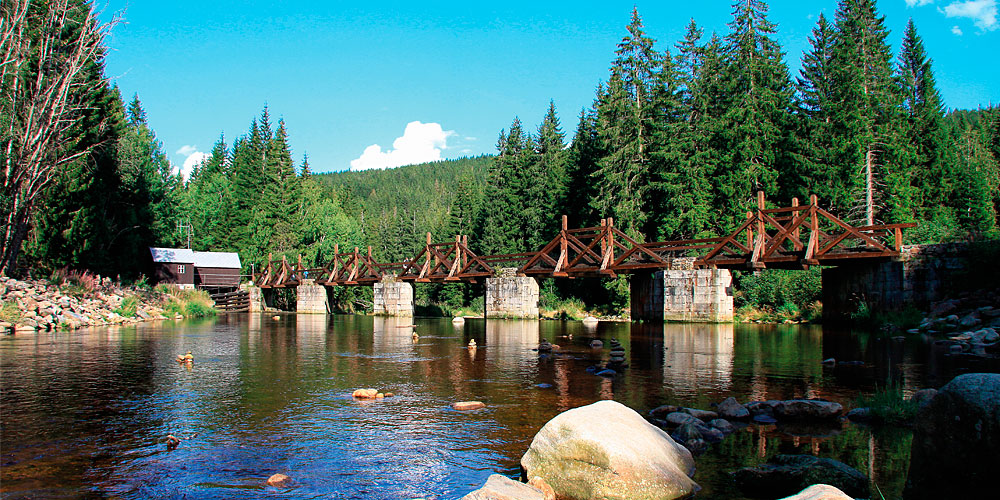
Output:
[[794, 237]]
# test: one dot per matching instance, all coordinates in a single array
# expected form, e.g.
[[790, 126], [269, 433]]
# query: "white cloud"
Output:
[[192, 159], [421, 142], [982, 12], [918, 3], [956, 30]]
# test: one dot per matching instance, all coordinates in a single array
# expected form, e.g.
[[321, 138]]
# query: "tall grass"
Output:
[[888, 405], [9, 312], [129, 307], [187, 303]]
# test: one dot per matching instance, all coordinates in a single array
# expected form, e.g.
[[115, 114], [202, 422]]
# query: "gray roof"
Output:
[[172, 255], [229, 260]]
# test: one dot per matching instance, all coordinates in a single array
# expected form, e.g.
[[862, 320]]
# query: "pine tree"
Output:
[[502, 223], [545, 185], [627, 118], [815, 169], [581, 168], [868, 120], [932, 179], [758, 118]]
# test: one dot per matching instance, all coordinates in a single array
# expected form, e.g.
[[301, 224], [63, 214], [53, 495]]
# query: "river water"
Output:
[[85, 414]]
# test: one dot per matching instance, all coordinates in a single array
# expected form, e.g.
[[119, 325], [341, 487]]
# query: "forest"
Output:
[[677, 141]]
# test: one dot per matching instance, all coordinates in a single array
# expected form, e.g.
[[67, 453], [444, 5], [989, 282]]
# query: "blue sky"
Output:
[[350, 78]]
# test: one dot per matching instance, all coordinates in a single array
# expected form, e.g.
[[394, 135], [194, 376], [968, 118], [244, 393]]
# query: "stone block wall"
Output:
[[919, 277], [393, 298], [256, 298], [510, 296], [694, 295], [311, 298]]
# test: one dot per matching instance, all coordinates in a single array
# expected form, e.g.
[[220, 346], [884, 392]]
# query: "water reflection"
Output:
[[268, 395]]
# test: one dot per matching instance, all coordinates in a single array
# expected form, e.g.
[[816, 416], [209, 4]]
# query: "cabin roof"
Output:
[[229, 260], [172, 255]]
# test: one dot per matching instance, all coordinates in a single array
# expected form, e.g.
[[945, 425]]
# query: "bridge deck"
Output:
[[794, 237]]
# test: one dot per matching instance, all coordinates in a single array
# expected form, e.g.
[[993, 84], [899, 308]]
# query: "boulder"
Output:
[[786, 475], [664, 410], [807, 409], [678, 418], [499, 487], [819, 492], [922, 397], [701, 414], [722, 425], [955, 440], [606, 450], [860, 415], [596, 344], [730, 409]]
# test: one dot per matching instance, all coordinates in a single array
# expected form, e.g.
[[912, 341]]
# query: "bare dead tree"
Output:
[[45, 50]]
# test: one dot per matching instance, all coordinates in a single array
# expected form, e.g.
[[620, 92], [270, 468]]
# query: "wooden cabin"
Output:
[[173, 265], [189, 269]]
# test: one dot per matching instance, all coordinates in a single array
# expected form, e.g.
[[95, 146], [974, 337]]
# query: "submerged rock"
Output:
[[807, 409], [606, 450], [279, 481], [731, 409], [701, 414], [499, 487], [468, 405], [786, 475], [365, 393]]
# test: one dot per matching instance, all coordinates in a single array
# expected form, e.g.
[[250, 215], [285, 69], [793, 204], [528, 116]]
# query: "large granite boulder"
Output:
[[819, 492], [608, 451], [785, 475], [730, 409], [499, 487], [956, 439]]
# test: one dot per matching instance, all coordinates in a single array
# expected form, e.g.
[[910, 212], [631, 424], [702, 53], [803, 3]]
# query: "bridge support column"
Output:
[[311, 298], [393, 298], [511, 296], [693, 295], [256, 298]]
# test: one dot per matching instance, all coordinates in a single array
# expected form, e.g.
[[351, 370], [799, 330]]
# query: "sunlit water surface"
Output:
[[84, 414]]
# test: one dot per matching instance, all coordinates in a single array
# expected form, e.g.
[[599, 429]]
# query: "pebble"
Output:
[[764, 419], [279, 481], [607, 372], [596, 344], [543, 386], [365, 393], [468, 405]]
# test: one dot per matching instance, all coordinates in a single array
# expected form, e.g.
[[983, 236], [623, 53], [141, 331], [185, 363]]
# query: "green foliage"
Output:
[[774, 289], [128, 307], [888, 405], [187, 303], [9, 312]]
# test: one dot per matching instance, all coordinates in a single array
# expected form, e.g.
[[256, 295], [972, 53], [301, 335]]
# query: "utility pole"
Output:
[[186, 228]]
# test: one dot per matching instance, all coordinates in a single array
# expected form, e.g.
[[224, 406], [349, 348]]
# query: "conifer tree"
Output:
[[932, 177], [814, 169], [627, 118], [758, 117], [502, 223], [545, 185], [581, 168]]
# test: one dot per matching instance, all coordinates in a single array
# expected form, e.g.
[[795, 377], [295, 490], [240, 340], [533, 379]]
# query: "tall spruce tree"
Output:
[[758, 118], [933, 179], [868, 119], [502, 223], [545, 185], [814, 169], [627, 118]]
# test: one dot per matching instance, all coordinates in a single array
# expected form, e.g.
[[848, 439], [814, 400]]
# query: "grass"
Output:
[[128, 307], [563, 309], [888, 406], [906, 319], [9, 312], [187, 303], [812, 312]]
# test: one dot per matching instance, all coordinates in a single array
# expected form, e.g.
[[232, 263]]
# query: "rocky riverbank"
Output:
[[68, 304], [969, 324]]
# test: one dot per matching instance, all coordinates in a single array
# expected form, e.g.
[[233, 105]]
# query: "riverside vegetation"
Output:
[[70, 300], [679, 137]]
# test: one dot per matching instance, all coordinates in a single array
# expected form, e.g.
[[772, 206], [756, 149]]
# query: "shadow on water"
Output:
[[85, 414]]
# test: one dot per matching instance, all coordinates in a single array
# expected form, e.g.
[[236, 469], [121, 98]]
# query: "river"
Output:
[[84, 414]]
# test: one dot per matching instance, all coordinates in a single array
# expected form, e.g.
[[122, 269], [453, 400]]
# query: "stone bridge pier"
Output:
[[311, 298], [511, 296], [683, 294], [393, 298]]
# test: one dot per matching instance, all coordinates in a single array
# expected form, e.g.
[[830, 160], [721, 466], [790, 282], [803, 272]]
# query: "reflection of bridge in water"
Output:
[[691, 281]]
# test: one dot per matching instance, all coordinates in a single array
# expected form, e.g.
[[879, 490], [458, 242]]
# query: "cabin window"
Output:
[[180, 269]]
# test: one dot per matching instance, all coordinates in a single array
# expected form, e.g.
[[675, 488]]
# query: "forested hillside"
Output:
[[679, 137]]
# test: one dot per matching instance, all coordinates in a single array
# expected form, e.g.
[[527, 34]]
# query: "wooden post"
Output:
[[563, 256], [795, 215], [760, 216], [898, 233], [749, 231]]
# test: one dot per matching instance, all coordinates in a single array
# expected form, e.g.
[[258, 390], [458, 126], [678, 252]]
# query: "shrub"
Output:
[[76, 283], [9, 312], [128, 307], [187, 303]]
